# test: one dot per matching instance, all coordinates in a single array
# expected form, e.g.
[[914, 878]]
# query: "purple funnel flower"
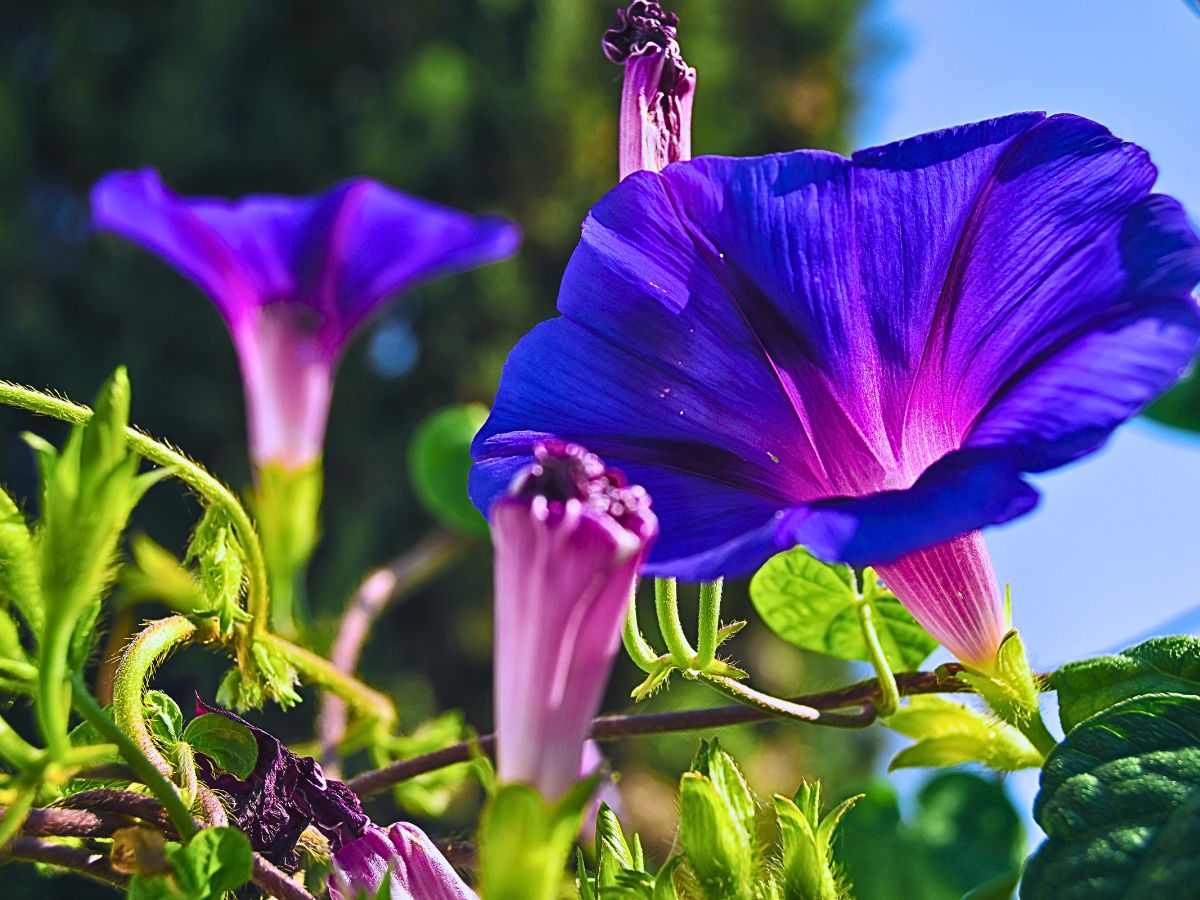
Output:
[[569, 536], [656, 101], [284, 795], [419, 871], [294, 277], [860, 355]]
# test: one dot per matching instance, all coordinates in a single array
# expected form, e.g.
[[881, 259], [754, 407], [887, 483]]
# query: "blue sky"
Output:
[[1114, 548]]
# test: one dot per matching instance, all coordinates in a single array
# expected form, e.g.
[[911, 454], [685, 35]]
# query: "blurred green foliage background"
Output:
[[505, 106]]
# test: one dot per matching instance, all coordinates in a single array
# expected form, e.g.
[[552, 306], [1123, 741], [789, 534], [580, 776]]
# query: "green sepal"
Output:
[[228, 743], [812, 605], [948, 733], [1120, 805], [270, 677], [584, 881], [720, 768], [286, 504], [808, 869], [524, 842], [1163, 665], [613, 855], [439, 460], [720, 852], [218, 554]]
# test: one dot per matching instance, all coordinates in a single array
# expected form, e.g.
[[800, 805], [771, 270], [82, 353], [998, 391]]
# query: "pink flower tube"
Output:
[[570, 537], [418, 869]]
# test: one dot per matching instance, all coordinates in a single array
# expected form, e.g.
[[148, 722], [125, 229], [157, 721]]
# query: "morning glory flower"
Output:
[[294, 277], [656, 100], [864, 356], [418, 869], [570, 536]]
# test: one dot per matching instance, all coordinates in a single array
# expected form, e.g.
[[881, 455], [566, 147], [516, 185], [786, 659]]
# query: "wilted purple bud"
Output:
[[295, 278], [656, 102], [419, 870], [570, 537], [282, 796]]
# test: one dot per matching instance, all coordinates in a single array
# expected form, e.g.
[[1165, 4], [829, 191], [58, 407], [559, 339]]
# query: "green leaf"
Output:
[[439, 460], [949, 733], [1166, 665], [156, 574], [215, 861], [811, 605], [1180, 406], [964, 833], [229, 744], [719, 850], [163, 716], [1120, 804]]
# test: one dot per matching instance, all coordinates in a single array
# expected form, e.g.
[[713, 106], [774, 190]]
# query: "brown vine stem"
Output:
[[101, 812], [606, 728], [84, 862], [378, 591]]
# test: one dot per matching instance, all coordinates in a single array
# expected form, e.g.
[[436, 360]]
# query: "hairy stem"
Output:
[[83, 862], [709, 624], [321, 672], [189, 472], [666, 605], [889, 694], [636, 645]]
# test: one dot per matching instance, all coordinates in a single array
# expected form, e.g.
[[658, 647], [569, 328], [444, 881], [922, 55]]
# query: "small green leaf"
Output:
[[439, 460], [811, 605], [1180, 406], [163, 716], [949, 733], [229, 744], [1165, 665], [19, 565], [1120, 804], [719, 851], [215, 861]]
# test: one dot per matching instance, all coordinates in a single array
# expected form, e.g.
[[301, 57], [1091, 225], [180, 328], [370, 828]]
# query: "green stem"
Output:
[[889, 693], [636, 645], [16, 813], [1039, 735], [190, 473], [321, 672], [710, 623], [145, 770], [53, 703], [785, 709], [666, 604], [141, 656], [15, 749]]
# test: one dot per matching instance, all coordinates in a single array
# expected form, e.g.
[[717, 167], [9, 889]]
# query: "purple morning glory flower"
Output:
[[284, 795], [294, 277], [863, 355], [418, 869], [569, 536], [656, 100]]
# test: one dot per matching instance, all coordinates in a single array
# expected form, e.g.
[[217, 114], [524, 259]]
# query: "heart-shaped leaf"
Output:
[[1120, 803], [811, 605]]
